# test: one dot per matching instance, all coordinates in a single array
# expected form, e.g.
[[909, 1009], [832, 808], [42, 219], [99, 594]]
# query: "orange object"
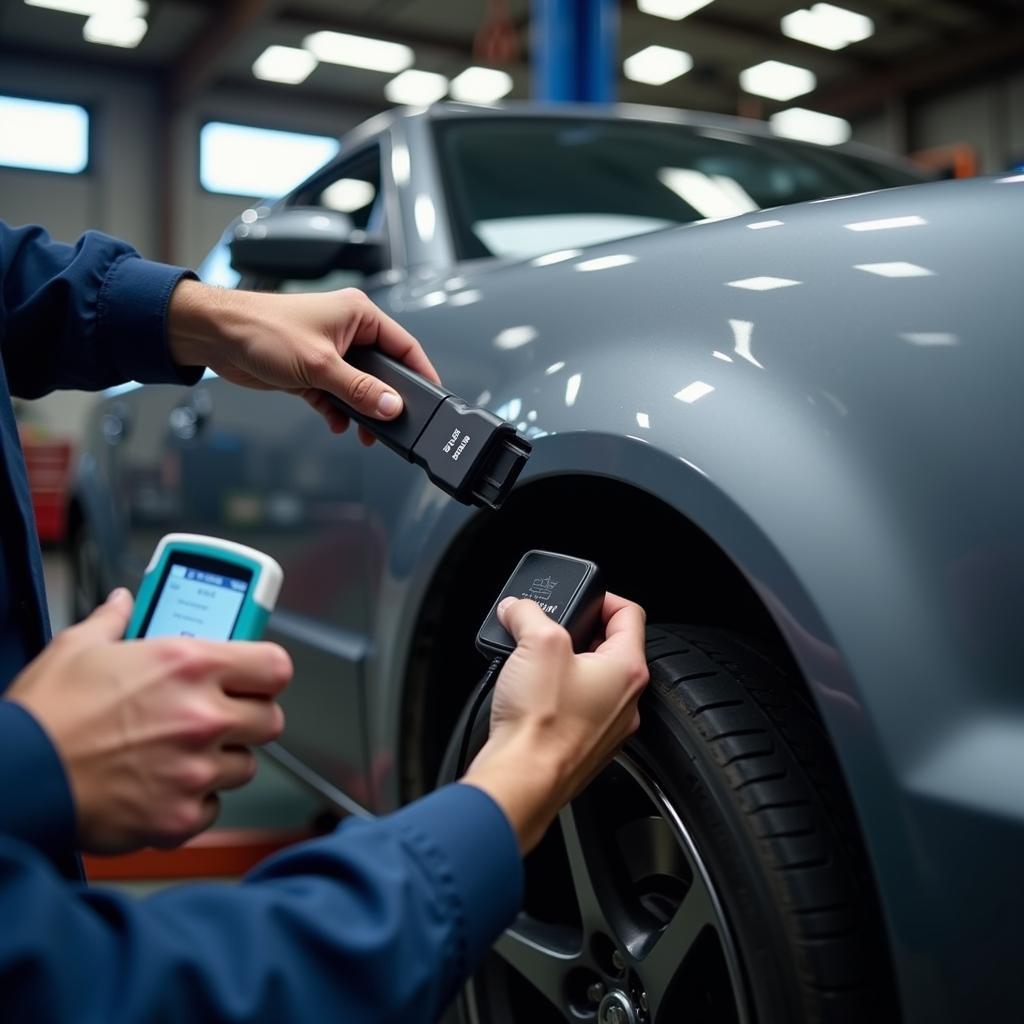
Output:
[[221, 853]]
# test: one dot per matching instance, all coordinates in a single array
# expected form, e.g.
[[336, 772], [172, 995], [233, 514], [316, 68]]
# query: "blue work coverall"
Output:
[[379, 921]]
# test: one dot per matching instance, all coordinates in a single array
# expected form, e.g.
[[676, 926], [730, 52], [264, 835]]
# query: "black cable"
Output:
[[476, 701]]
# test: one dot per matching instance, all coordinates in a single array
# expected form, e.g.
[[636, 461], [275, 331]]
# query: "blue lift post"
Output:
[[575, 50]]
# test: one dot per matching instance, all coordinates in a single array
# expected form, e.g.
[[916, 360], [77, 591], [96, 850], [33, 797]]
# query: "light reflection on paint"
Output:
[[898, 268], [762, 284], [425, 216], [693, 392], [742, 332], [572, 388]]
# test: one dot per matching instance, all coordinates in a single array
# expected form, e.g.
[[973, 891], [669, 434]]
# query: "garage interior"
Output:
[[152, 103]]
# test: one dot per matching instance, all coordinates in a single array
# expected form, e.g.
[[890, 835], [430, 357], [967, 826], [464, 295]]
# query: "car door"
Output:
[[263, 469]]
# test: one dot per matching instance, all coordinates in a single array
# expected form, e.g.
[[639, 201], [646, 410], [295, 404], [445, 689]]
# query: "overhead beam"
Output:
[[923, 71], [198, 66]]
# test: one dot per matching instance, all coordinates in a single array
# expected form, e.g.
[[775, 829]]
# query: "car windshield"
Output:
[[520, 187]]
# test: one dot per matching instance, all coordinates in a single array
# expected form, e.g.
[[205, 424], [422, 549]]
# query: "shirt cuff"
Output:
[[132, 321], [35, 799], [465, 834]]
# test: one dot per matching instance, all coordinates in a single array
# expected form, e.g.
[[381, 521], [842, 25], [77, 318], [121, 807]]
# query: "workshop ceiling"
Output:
[[917, 46]]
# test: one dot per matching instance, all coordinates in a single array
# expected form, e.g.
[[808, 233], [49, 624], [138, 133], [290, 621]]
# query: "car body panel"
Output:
[[830, 392]]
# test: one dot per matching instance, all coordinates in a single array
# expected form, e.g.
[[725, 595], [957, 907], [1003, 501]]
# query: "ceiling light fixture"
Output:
[[810, 126], [359, 51], [114, 30], [674, 10], [656, 65], [827, 26], [481, 85], [777, 81], [87, 8], [416, 88], [286, 64]]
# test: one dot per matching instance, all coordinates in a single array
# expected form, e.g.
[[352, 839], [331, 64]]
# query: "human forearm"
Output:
[[83, 316]]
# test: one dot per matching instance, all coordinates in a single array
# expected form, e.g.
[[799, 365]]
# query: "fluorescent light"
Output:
[[690, 394], [606, 262], [762, 284], [896, 269], [554, 368], [114, 30], [348, 195], [759, 225], [656, 65], [776, 80], [114, 8], [481, 85], [674, 10], [643, 420], [886, 224], [43, 136], [711, 195], [810, 126], [287, 64], [359, 51], [416, 88], [827, 26], [572, 388]]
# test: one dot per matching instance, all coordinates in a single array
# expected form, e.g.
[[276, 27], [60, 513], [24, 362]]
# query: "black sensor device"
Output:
[[468, 452], [568, 589]]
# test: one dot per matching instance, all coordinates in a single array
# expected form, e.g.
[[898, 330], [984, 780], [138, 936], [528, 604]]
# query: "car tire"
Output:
[[735, 764], [87, 590]]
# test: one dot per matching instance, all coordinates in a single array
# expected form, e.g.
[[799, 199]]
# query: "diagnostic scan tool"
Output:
[[207, 588]]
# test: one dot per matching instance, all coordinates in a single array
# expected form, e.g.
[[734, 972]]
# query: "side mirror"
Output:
[[302, 243]]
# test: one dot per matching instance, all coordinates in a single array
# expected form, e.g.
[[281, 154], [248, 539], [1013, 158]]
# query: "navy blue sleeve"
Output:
[[84, 316], [35, 801], [380, 922]]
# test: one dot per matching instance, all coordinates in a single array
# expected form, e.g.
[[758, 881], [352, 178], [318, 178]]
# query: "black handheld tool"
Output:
[[468, 452], [569, 590]]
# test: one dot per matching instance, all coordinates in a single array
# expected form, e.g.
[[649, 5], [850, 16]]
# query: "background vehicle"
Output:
[[790, 434]]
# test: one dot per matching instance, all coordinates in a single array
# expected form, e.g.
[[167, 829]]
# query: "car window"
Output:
[[519, 187], [353, 188]]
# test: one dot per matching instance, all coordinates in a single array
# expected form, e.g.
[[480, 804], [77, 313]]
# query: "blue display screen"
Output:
[[197, 596]]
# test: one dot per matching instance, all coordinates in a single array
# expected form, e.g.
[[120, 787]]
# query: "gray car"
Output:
[[775, 396]]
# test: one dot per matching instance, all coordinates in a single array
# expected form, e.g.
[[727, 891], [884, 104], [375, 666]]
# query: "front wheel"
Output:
[[712, 873]]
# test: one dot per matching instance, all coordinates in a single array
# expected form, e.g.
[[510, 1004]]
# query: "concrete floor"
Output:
[[274, 799]]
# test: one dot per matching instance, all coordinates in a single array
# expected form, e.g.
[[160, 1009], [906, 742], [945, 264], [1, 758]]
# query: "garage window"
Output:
[[43, 136], [240, 160]]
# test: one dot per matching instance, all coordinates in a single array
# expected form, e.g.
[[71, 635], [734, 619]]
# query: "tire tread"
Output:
[[773, 755]]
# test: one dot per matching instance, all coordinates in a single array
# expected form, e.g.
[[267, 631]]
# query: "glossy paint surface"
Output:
[[829, 391]]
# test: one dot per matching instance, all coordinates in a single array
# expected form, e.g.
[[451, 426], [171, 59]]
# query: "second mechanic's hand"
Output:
[[149, 730], [558, 717], [295, 343]]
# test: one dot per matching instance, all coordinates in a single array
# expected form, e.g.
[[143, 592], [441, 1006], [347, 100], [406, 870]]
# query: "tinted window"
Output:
[[520, 187]]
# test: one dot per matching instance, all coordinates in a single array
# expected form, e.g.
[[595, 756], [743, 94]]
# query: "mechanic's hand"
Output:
[[557, 717], [149, 730], [293, 343]]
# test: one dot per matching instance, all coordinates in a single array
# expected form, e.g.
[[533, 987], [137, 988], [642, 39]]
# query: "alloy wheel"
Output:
[[622, 923]]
